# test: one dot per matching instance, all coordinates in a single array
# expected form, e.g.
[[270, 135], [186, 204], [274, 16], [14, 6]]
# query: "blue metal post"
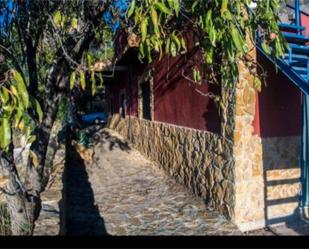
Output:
[[297, 14], [308, 70], [305, 155], [290, 55]]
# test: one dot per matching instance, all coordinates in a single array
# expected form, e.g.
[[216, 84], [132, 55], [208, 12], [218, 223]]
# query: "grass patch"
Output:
[[5, 223]]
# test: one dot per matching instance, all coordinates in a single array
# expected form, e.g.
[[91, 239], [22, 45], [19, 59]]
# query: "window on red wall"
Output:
[[122, 103], [111, 105], [146, 98]]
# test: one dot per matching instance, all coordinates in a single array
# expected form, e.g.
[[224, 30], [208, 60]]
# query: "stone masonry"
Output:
[[263, 166], [202, 161]]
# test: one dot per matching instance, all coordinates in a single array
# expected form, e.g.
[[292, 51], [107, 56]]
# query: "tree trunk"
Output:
[[32, 67], [22, 207], [24, 202]]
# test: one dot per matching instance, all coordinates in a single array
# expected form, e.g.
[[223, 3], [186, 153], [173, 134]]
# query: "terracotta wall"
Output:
[[176, 101], [180, 102], [305, 22], [278, 105]]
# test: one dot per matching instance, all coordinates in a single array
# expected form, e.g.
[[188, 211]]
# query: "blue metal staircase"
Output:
[[295, 64]]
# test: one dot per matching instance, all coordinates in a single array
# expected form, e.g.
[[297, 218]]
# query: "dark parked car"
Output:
[[95, 118]]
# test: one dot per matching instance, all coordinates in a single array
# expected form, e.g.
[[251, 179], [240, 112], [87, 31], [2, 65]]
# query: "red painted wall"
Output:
[[176, 101], [305, 22], [124, 80], [181, 102], [278, 106]]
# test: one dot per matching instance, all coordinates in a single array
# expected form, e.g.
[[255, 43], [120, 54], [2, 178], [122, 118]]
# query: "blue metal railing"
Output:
[[297, 57], [297, 14]]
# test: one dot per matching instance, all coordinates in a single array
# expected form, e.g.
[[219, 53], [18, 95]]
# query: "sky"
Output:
[[121, 6], [6, 7], [118, 5]]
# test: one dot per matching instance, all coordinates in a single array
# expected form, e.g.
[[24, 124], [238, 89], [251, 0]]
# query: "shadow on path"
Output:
[[80, 215], [99, 135]]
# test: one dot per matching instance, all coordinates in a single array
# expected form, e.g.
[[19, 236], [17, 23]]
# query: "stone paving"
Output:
[[128, 195], [295, 228]]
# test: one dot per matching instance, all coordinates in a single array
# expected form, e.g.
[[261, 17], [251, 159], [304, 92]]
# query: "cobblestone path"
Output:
[[134, 197]]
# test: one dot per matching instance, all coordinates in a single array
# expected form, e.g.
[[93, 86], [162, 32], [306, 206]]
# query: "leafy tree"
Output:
[[220, 28], [42, 42], [51, 47]]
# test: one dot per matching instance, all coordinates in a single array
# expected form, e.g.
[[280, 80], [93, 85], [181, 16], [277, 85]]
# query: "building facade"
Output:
[[244, 162]]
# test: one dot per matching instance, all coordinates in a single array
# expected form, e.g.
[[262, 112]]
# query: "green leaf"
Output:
[[209, 55], [167, 45], [101, 80], [212, 36], [173, 49], [82, 80], [224, 6], [144, 25], [131, 9], [14, 90], [237, 39], [58, 18], [4, 95], [18, 116], [74, 23], [72, 80], [183, 44], [5, 133], [142, 50], [257, 84], [162, 7], [149, 57], [177, 7], [177, 41], [21, 88], [208, 20], [89, 59], [93, 85], [194, 5], [266, 48], [38, 110], [154, 18], [31, 139], [34, 158]]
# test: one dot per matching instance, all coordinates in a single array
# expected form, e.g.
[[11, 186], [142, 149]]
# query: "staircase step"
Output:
[[300, 70], [297, 60], [305, 76], [299, 49], [299, 57], [296, 38], [290, 27]]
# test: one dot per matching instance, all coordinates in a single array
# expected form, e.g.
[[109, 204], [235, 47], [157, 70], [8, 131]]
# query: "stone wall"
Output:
[[281, 166], [200, 160], [264, 167], [249, 205]]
